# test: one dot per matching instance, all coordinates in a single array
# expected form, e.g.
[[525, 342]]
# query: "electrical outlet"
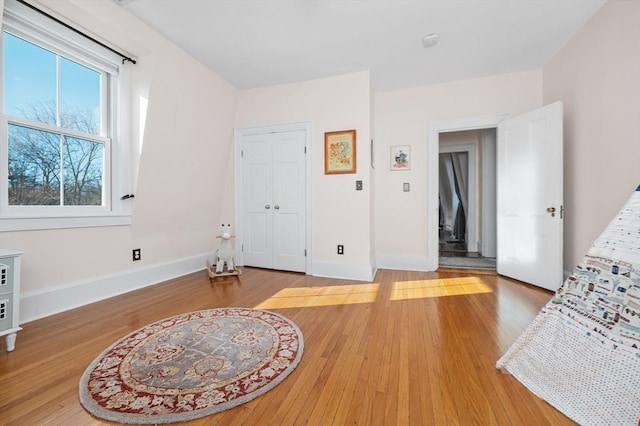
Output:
[[340, 249], [358, 185], [405, 187], [136, 254]]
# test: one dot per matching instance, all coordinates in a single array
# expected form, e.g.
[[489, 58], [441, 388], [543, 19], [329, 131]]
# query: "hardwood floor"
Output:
[[411, 348]]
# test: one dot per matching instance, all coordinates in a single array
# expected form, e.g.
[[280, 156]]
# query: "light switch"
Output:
[[358, 185]]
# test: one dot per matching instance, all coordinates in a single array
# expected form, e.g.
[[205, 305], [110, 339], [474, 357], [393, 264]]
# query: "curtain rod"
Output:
[[125, 58]]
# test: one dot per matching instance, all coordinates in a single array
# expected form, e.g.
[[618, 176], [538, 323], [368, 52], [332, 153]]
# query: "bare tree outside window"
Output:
[[82, 172], [35, 168], [51, 164]]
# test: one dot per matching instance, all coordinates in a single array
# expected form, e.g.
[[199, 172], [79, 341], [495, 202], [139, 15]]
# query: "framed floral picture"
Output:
[[401, 157], [340, 152]]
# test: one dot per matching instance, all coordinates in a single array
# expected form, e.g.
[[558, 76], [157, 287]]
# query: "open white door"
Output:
[[529, 197]]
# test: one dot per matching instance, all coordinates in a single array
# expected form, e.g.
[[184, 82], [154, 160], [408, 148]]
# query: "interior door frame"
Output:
[[238, 174], [433, 172]]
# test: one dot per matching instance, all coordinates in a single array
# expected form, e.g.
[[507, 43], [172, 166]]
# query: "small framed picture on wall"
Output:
[[340, 152], [401, 157]]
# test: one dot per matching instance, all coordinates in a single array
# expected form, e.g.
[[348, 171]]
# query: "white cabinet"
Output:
[[9, 295]]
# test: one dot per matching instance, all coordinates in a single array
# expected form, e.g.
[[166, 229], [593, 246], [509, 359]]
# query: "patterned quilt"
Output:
[[582, 352]]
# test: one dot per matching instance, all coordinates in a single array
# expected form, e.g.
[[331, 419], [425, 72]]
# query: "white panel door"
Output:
[[530, 198], [288, 214], [257, 195], [274, 200]]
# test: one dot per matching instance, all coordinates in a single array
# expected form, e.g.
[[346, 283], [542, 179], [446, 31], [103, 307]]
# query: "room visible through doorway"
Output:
[[467, 214]]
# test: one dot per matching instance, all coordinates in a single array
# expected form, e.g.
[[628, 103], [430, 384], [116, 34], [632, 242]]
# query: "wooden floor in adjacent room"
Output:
[[410, 348]]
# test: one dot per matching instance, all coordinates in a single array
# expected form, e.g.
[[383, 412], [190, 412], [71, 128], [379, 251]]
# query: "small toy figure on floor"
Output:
[[224, 255]]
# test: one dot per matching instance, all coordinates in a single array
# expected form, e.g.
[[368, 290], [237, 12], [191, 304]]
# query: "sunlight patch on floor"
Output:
[[300, 297], [405, 290]]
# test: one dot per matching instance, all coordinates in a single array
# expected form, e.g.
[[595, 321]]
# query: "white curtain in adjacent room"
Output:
[[446, 192], [460, 162]]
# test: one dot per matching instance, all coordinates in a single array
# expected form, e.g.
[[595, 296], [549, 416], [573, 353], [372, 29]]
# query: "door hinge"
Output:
[[242, 153], [305, 149], [561, 211], [305, 252], [242, 247]]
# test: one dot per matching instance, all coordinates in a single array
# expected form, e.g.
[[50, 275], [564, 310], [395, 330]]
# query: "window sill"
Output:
[[35, 223]]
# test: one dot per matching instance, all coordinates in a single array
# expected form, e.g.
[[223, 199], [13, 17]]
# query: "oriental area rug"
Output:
[[191, 365]]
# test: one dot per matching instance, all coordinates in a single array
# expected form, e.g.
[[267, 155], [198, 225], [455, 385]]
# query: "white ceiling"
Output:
[[257, 43]]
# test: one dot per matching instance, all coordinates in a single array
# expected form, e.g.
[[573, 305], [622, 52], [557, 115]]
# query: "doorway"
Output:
[[433, 148], [535, 138], [467, 214]]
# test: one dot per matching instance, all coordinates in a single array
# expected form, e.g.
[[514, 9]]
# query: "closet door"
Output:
[[274, 200], [257, 171]]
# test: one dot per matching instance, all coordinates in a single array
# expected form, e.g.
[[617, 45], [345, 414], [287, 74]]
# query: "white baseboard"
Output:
[[345, 271], [403, 263], [43, 303]]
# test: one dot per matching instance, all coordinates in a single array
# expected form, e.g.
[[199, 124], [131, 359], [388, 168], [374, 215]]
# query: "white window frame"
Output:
[[40, 30]]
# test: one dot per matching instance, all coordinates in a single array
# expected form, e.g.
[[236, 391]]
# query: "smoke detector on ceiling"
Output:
[[430, 40]]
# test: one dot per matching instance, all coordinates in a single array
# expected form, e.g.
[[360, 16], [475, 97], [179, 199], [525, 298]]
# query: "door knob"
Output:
[[267, 206], [551, 210], [277, 207]]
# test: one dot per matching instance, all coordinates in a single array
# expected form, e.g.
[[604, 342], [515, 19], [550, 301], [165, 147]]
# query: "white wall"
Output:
[[597, 77], [178, 198], [340, 214], [185, 177], [402, 118]]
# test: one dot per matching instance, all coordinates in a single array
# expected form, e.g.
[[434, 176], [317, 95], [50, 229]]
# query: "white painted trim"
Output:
[[488, 204], [345, 271], [238, 134], [433, 137], [34, 223], [237, 148], [403, 263], [472, 189], [42, 303]]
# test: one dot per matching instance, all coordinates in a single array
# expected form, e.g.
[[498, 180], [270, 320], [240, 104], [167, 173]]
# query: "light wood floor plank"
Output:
[[410, 348]]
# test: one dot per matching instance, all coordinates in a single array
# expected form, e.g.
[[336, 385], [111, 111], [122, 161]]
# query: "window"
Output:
[[53, 109], [60, 157]]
